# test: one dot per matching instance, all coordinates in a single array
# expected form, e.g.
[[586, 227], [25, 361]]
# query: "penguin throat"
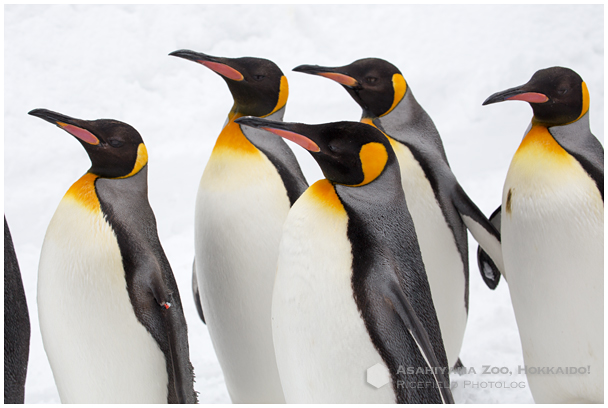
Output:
[[324, 193], [232, 139], [83, 192], [540, 141]]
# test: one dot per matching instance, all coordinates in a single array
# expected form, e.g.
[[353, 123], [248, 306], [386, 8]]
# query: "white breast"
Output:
[[553, 243], [98, 350], [442, 260], [240, 209], [323, 349]]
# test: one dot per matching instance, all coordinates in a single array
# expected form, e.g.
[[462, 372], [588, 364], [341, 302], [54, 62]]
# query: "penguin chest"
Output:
[[322, 346], [240, 209], [99, 352], [552, 235], [442, 260]]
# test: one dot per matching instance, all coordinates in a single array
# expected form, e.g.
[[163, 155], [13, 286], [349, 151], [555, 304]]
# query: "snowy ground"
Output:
[[96, 62]]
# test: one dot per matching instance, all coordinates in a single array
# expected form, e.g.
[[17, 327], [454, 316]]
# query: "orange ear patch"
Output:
[[399, 86], [283, 94], [373, 161], [142, 160], [585, 100]]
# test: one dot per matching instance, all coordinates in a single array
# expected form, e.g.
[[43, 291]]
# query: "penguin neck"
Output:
[[409, 124], [124, 198], [383, 191], [84, 190], [577, 126]]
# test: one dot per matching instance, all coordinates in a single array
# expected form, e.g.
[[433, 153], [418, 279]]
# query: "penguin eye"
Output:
[[371, 80], [115, 143], [562, 91], [259, 77]]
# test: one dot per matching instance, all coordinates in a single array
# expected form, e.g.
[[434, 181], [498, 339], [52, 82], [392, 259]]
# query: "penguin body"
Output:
[[348, 262], [245, 193], [439, 207], [552, 222], [110, 312], [16, 326]]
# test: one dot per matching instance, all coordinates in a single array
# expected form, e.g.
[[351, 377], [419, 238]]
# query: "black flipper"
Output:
[[482, 229], [16, 326], [397, 302], [196, 294], [488, 269], [171, 319]]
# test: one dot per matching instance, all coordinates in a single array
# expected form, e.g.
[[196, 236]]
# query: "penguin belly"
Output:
[[442, 260], [322, 346], [98, 351], [240, 209], [553, 243]]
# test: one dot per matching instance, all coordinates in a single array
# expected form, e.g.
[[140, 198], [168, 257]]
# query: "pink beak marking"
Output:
[[80, 133], [296, 138], [532, 97], [340, 78], [223, 70]]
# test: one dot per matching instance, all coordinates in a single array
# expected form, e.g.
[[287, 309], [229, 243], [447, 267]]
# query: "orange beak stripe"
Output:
[[80, 133], [296, 138], [340, 78], [223, 70]]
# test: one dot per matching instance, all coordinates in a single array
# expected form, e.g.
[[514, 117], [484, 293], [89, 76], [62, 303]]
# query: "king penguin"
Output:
[[440, 208], [351, 291], [110, 313], [16, 326], [552, 222], [247, 188]]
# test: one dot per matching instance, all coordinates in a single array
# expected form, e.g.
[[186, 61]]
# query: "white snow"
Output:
[[110, 61]]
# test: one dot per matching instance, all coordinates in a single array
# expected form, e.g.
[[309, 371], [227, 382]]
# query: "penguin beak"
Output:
[[289, 131], [216, 64], [66, 123], [331, 73], [519, 93]]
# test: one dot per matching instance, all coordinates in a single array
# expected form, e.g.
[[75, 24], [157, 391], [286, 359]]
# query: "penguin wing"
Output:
[[196, 293], [580, 143], [488, 269], [396, 302], [16, 326], [174, 324], [481, 228]]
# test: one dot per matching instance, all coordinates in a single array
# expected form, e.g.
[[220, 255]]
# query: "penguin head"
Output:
[[557, 95], [375, 84], [257, 85], [116, 149], [349, 153]]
